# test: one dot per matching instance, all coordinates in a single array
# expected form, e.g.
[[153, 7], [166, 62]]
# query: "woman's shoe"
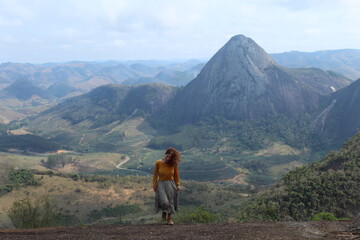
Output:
[[170, 222]]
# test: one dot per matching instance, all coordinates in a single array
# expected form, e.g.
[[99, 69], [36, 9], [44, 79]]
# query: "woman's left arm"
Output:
[[177, 178]]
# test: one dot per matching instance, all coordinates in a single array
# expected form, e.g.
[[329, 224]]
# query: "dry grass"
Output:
[[98, 161], [284, 168], [79, 197], [90, 162], [278, 148], [16, 161]]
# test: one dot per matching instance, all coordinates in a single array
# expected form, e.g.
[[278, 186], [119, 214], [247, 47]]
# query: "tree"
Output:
[[59, 160]]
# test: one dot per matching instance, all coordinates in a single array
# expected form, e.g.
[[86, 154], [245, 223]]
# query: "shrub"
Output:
[[324, 216], [34, 214], [22, 177], [198, 215]]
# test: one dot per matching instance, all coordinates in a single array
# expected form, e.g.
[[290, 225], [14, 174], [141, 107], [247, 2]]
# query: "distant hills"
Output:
[[84, 76], [27, 89], [240, 83], [171, 77], [98, 120], [23, 89], [110, 103], [345, 61]]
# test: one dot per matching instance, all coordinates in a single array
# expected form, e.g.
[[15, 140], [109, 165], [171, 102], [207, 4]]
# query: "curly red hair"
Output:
[[175, 156]]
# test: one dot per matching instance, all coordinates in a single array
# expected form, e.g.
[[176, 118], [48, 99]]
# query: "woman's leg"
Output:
[[163, 217]]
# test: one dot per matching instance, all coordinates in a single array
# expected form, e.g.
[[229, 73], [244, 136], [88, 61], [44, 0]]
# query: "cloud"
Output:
[[8, 38], [13, 13], [119, 43], [66, 46], [6, 22], [113, 10], [176, 17], [68, 33], [313, 32], [164, 29]]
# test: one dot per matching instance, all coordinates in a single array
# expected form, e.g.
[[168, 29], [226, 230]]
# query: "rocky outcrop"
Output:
[[240, 82]]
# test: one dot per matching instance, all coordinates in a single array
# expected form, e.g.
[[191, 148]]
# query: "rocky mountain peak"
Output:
[[241, 81], [239, 64], [248, 51]]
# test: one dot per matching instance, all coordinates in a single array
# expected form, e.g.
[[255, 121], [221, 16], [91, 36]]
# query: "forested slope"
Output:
[[330, 185]]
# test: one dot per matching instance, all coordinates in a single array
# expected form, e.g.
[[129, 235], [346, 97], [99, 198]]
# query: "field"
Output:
[[258, 168], [18, 161]]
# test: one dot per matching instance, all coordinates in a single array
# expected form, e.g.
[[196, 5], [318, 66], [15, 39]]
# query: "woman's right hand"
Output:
[[155, 188]]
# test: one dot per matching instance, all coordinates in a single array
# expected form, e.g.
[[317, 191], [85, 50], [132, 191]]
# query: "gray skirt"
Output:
[[166, 197]]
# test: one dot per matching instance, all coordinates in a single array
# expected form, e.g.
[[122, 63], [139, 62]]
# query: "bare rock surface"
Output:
[[251, 230]]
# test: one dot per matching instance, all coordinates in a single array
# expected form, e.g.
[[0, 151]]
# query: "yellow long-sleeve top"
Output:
[[165, 172]]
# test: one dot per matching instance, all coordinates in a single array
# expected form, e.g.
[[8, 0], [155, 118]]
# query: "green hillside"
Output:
[[330, 185], [109, 118]]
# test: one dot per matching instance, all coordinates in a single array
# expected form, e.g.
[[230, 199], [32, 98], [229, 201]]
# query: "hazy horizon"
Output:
[[50, 31]]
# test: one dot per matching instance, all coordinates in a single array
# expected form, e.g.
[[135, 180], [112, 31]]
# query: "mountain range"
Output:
[[241, 82], [85, 76], [344, 61], [28, 89], [242, 107]]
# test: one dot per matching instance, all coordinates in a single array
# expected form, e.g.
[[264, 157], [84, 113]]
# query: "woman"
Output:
[[166, 184]]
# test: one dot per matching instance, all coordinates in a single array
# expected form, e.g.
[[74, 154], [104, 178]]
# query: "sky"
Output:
[[40, 31]]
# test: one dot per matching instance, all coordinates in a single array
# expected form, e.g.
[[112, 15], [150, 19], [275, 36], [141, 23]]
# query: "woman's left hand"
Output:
[[178, 188]]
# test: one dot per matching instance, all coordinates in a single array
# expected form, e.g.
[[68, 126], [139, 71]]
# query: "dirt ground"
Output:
[[253, 231]]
